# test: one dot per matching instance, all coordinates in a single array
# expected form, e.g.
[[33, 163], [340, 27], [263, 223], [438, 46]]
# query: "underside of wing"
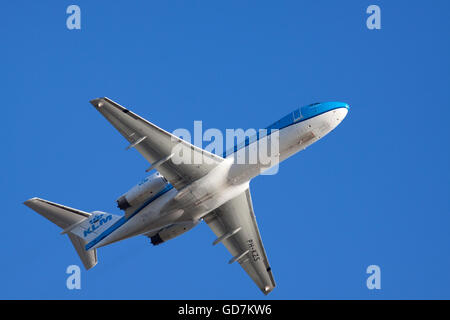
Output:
[[235, 226], [180, 162]]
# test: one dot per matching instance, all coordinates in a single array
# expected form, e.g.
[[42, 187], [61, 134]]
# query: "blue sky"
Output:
[[374, 191]]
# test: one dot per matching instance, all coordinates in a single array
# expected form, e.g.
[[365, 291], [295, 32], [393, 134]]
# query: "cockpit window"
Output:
[[313, 104], [296, 114]]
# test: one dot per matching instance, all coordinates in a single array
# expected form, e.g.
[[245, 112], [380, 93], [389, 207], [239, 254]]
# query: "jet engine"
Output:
[[141, 192], [172, 231]]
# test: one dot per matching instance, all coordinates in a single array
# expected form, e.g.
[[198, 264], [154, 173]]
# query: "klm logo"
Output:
[[97, 222]]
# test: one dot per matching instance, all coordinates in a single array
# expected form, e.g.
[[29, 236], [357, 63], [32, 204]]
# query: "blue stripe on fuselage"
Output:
[[124, 219]]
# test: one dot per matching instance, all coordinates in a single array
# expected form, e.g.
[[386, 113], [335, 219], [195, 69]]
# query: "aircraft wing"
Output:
[[235, 226], [158, 146]]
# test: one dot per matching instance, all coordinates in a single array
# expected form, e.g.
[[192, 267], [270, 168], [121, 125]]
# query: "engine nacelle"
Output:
[[142, 191], [172, 231]]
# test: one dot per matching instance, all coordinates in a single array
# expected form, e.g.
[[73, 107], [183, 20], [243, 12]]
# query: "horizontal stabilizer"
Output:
[[64, 217]]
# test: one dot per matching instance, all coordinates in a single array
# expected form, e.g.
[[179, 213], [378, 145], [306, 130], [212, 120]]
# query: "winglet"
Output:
[[98, 103]]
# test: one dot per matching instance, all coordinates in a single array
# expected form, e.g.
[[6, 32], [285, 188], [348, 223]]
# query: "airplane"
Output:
[[179, 195]]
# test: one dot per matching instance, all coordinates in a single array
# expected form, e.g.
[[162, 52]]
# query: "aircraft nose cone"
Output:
[[342, 113], [340, 109], [345, 107]]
